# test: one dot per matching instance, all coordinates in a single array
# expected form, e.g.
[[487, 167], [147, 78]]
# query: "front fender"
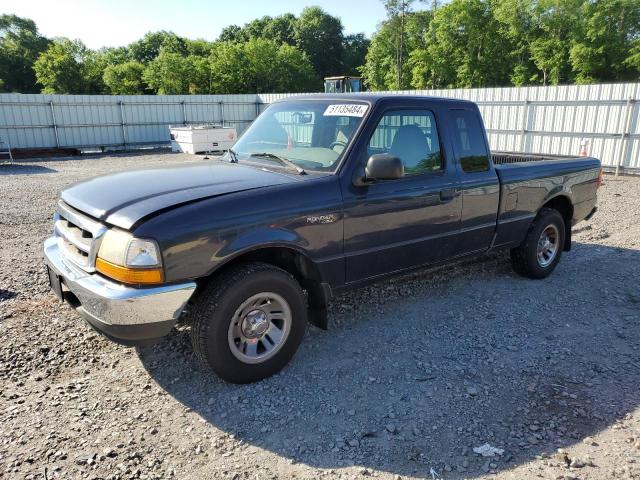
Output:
[[261, 238], [199, 238]]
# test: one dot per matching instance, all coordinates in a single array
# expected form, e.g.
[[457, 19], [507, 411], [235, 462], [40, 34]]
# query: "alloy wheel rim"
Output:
[[548, 245], [259, 327]]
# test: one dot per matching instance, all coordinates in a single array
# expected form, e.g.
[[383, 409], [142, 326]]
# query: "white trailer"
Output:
[[202, 138]]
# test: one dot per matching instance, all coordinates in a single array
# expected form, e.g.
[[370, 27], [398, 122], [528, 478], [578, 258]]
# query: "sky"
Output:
[[111, 23]]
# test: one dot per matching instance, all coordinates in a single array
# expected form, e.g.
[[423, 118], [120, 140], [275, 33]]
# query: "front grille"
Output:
[[78, 236]]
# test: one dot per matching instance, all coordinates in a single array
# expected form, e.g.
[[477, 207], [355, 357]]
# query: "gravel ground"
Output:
[[412, 376]]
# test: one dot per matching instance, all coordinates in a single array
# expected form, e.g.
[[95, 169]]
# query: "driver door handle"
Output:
[[448, 194]]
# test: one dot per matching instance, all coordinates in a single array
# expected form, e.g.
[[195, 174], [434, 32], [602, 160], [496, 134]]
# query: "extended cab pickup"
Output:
[[319, 195]]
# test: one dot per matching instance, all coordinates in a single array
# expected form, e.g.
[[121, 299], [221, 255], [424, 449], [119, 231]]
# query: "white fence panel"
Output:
[[531, 119]]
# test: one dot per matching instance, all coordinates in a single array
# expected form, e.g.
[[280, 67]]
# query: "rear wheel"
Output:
[[248, 323], [540, 252]]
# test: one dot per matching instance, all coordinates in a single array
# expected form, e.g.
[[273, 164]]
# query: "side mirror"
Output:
[[383, 166]]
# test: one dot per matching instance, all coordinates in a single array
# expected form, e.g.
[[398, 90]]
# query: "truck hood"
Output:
[[123, 199]]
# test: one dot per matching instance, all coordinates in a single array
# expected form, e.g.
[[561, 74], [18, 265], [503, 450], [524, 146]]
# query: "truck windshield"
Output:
[[311, 134]]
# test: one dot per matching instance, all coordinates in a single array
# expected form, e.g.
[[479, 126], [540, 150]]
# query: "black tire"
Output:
[[524, 258], [217, 305]]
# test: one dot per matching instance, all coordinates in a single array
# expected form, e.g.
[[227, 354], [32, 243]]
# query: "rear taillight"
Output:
[[599, 179]]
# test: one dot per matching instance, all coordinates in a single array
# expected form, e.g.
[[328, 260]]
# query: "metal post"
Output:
[[55, 126], [626, 133], [124, 126], [525, 126], [257, 108], [184, 113], [222, 113], [9, 147], [8, 144]]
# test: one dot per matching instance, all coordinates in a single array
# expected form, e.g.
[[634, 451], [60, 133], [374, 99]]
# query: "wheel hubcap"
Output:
[[255, 324], [548, 245], [259, 327]]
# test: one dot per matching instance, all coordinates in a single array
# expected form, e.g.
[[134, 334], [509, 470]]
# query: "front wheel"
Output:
[[248, 323], [540, 252]]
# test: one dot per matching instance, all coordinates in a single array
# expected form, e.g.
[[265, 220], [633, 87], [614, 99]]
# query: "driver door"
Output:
[[412, 221]]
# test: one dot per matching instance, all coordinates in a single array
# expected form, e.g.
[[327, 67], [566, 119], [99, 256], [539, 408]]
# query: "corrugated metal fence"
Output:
[[554, 120], [82, 121]]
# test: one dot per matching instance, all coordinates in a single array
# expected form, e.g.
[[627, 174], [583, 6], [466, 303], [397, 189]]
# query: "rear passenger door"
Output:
[[478, 180], [398, 224]]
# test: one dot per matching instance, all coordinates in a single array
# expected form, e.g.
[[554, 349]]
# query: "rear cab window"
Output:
[[469, 141]]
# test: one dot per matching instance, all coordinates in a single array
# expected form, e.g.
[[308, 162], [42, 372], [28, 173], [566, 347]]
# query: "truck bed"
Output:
[[526, 180], [505, 158]]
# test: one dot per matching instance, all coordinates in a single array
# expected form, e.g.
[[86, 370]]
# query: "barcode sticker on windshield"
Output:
[[345, 110]]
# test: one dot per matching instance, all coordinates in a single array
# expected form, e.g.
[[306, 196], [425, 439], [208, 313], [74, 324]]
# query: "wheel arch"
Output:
[[563, 204], [292, 259]]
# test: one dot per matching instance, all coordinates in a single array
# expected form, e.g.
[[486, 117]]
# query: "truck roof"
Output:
[[372, 98]]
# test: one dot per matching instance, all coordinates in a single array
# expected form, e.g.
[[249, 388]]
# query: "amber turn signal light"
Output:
[[136, 276], [599, 179]]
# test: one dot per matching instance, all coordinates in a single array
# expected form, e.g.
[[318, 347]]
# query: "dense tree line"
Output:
[[462, 43], [281, 54], [486, 43]]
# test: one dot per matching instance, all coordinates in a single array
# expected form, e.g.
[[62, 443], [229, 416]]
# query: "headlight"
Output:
[[128, 259], [142, 253]]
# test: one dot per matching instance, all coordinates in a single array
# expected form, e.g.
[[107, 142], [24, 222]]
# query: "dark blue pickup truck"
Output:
[[319, 195]]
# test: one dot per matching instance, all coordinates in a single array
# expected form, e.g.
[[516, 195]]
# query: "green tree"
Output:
[[320, 35], [466, 48], [517, 27], [93, 70], [20, 46], [633, 60], [559, 24], [200, 77], [148, 47], [231, 33], [228, 62], [296, 74], [256, 28], [63, 67], [355, 48], [380, 68], [610, 28], [550, 56], [397, 11], [262, 68], [199, 47], [281, 29], [124, 78], [417, 41], [261, 65], [112, 56], [168, 73]]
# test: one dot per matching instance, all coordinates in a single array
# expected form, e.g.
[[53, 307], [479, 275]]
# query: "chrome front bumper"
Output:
[[125, 314]]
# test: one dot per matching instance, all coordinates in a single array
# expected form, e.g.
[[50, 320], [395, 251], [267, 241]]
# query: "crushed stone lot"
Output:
[[413, 375]]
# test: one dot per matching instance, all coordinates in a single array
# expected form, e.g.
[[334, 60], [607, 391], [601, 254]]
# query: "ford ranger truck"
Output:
[[321, 194]]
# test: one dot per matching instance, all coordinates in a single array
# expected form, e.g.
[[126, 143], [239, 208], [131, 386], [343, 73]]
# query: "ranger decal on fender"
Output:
[[322, 218]]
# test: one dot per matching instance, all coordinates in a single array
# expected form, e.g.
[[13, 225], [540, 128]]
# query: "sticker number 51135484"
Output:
[[346, 110]]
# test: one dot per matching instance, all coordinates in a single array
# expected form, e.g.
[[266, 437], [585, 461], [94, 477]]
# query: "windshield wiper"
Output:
[[233, 156], [284, 161]]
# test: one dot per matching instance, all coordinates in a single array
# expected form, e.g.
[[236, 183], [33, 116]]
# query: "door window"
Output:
[[470, 145], [410, 135]]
